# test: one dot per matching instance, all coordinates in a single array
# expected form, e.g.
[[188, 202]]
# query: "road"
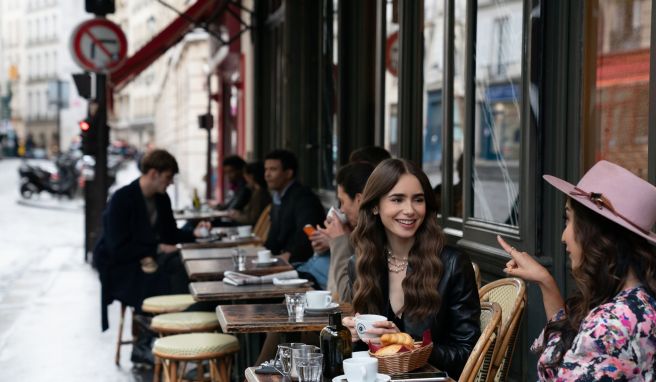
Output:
[[49, 297]]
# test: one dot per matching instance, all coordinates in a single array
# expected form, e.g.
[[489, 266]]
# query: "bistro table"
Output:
[[267, 318], [223, 243], [217, 253], [213, 269], [219, 291], [252, 376]]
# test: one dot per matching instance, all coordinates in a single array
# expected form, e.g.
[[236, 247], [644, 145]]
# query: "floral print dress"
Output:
[[615, 342]]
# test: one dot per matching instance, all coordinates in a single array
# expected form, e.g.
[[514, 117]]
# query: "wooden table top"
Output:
[[216, 253], [252, 376], [225, 243], [219, 291], [264, 318], [213, 269], [188, 214]]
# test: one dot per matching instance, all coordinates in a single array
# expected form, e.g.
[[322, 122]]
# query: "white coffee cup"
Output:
[[360, 369], [244, 230], [264, 256], [336, 212], [317, 299], [203, 232], [365, 322], [361, 354]]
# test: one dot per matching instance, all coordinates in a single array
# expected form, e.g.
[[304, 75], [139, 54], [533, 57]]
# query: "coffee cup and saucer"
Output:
[[264, 258], [361, 369], [319, 301]]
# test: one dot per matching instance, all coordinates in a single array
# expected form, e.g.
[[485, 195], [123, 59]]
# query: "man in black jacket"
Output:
[[136, 255], [293, 206]]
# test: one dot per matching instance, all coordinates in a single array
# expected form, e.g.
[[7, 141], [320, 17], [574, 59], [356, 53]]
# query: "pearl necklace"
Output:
[[395, 264]]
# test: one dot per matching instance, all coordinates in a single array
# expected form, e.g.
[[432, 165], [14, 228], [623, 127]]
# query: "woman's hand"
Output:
[[349, 322], [334, 228], [380, 328], [522, 265], [320, 242]]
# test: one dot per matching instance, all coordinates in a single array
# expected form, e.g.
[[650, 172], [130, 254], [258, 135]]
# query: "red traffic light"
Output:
[[84, 126]]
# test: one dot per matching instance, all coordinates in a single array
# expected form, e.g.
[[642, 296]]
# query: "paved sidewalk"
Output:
[[49, 297]]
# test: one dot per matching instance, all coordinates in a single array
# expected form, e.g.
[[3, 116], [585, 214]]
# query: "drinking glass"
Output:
[[239, 259], [295, 305], [300, 350], [283, 361], [309, 367]]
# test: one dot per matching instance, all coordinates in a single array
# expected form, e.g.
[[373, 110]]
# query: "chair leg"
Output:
[[157, 368], [119, 342]]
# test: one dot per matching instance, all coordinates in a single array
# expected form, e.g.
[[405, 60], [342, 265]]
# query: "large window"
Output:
[[616, 89], [497, 124], [392, 134]]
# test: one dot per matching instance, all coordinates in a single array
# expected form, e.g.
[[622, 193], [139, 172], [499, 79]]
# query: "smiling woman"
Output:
[[402, 269]]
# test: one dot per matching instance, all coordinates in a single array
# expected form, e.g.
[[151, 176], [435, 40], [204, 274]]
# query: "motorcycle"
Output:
[[63, 181]]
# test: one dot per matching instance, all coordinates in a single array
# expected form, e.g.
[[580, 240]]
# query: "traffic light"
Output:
[[99, 7], [89, 136]]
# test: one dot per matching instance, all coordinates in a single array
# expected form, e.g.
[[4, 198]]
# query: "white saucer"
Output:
[[332, 306], [239, 237], [379, 378], [266, 262], [288, 282]]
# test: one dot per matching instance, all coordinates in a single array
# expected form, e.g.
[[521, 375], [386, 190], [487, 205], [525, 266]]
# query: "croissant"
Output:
[[388, 350], [397, 338]]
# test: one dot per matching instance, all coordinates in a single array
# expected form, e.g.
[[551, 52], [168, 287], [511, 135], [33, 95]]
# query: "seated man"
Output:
[[351, 180], [238, 193], [136, 255], [293, 206]]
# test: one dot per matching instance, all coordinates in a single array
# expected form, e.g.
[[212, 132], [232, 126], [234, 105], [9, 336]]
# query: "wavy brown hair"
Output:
[[421, 297], [609, 252]]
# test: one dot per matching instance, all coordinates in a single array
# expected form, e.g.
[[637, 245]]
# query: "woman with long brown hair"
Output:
[[607, 329], [403, 270]]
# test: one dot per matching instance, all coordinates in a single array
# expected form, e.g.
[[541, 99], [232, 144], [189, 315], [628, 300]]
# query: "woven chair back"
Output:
[[510, 294], [477, 365], [477, 274], [261, 228]]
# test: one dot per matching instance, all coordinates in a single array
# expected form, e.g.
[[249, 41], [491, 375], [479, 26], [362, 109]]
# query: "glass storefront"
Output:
[[498, 99], [616, 88]]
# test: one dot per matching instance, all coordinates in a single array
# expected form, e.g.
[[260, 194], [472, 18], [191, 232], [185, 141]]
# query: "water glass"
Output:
[[300, 350], [309, 367], [295, 305], [283, 361], [239, 259]]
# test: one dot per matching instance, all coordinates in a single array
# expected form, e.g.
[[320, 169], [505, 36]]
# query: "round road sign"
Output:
[[98, 45]]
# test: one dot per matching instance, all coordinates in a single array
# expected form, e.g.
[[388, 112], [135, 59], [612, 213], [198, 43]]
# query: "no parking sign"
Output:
[[98, 45]]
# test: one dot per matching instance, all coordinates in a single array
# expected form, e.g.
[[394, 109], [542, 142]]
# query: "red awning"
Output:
[[167, 38]]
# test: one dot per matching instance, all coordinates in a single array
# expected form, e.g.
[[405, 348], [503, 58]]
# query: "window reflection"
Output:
[[616, 91], [391, 78], [497, 133]]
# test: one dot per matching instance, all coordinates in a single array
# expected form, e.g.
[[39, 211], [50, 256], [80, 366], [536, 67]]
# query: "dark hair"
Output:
[[369, 154], [609, 251], [421, 298], [234, 161], [159, 160], [256, 170], [353, 177], [286, 158]]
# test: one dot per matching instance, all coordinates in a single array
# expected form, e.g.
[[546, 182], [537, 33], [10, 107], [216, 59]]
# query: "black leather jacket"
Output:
[[456, 327]]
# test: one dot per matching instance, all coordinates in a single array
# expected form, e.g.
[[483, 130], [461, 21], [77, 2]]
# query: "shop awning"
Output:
[[168, 37]]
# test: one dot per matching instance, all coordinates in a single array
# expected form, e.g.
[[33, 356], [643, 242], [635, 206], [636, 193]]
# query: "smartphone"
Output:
[[421, 376], [309, 230]]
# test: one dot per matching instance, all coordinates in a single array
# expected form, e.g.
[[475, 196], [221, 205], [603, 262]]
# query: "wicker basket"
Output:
[[405, 361]]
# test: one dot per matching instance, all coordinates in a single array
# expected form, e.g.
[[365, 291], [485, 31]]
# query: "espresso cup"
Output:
[[317, 299], [336, 212], [244, 230], [264, 256], [360, 369], [365, 322]]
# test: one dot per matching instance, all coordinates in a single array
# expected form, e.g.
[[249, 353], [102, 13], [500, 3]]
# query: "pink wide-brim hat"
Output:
[[616, 194]]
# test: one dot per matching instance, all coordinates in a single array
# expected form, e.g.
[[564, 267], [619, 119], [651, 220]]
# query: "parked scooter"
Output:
[[64, 181]]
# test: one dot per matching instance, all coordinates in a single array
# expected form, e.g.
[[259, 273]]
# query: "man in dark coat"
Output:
[[136, 256], [293, 206]]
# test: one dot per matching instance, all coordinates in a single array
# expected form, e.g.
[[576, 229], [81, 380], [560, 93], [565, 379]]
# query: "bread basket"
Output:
[[405, 361]]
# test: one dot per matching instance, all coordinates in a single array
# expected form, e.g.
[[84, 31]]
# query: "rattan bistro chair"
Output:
[[477, 366], [510, 294], [120, 342], [261, 227]]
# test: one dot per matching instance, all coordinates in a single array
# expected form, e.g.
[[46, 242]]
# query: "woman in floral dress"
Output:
[[607, 330]]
